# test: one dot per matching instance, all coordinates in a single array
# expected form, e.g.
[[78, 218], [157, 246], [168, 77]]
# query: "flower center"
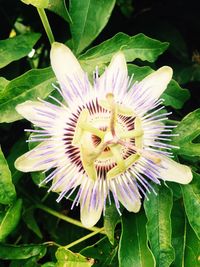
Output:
[[108, 138]]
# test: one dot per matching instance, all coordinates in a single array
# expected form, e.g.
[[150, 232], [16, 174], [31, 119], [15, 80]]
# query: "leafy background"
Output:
[[34, 229]]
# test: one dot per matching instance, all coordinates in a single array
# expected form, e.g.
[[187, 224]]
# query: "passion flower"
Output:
[[105, 140]]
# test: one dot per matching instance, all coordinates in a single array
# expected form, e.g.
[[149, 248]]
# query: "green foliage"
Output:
[[10, 218], [35, 230], [37, 3], [7, 189], [159, 225], [135, 47], [29, 86], [188, 130], [11, 252], [103, 252], [133, 247], [89, 18], [110, 221], [17, 47], [67, 258], [59, 7], [191, 198]]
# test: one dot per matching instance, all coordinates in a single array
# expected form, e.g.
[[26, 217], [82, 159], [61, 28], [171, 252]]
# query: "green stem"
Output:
[[45, 23], [66, 218], [100, 230]]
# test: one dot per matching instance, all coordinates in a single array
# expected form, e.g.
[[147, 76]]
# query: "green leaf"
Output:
[[59, 7], [3, 83], [37, 3], [191, 198], [67, 258], [103, 252], [188, 74], [12, 252], [174, 95], [89, 18], [158, 211], [10, 219], [7, 189], [49, 264], [29, 86], [178, 233], [133, 247], [111, 219], [188, 129], [192, 251], [17, 150], [136, 47], [29, 219], [17, 47]]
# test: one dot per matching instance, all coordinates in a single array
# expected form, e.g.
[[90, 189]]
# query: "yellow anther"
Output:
[[88, 127], [121, 109], [88, 162], [83, 117], [116, 151], [128, 162], [131, 134]]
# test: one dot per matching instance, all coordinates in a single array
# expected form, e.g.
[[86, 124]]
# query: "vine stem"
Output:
[[68, 219], [46, 24], [100, 230]]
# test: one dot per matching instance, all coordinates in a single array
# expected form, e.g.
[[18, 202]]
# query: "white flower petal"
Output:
[[157, 82], [174, 171], [30, 162], [132, 203], [44, 116], [90, 215], [29, 110], [114, 77], [66, 67]]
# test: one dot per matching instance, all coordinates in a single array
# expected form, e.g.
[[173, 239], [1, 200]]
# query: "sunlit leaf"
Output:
[[29, 86], [139, 46], [3, 83], [111, 219], [16, 47], [191, 198], [188, 129], [10, 219], [12, 252], [158, 211], [67, 258], [37, 3], [89, 18], [7, 189], [133, 248]]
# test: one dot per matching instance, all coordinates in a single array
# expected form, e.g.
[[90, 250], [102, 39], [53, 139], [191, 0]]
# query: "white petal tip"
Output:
[[20, 164], [175, 172], [167, 71], [90, 221]]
